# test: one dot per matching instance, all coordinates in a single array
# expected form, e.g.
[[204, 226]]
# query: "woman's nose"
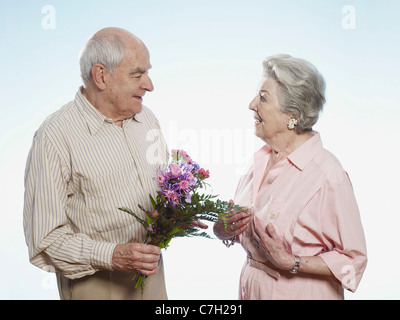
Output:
[[253, 105]]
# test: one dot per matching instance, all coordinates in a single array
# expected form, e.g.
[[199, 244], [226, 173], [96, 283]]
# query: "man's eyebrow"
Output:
[[139, 70]]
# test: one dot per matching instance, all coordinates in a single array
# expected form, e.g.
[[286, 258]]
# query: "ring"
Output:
[[231, 227]]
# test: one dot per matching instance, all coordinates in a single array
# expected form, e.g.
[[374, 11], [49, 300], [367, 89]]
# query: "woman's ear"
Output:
[[98, 75]]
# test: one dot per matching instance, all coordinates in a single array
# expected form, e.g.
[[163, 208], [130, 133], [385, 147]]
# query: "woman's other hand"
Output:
[[236, 224]]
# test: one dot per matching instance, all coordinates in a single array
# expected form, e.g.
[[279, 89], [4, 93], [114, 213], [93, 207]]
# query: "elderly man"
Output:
[[97, 153]]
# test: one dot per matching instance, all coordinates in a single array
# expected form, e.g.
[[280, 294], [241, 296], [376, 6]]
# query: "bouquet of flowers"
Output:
[[178, 204]]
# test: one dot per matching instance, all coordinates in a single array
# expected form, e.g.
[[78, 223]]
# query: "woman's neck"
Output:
[[282, 146]]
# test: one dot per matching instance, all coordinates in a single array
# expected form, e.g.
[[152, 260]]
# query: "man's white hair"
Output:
[[106, 50]]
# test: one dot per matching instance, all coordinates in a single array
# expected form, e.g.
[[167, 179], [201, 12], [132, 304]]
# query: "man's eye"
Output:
[[262, 98]]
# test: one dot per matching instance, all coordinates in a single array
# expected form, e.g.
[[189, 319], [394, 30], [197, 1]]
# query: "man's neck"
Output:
[[97, 102]]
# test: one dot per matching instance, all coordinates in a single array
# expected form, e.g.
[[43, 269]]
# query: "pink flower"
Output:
[[175, 169], [184, 184], [204, 173], [175, 155], [160, 178], [185, 156], [171, 195], [181, 155]]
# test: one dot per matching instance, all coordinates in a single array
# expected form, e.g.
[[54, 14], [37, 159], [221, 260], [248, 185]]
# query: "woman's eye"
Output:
[[262, 98]]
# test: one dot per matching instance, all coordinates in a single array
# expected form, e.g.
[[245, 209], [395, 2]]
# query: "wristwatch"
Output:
[[296, 266]]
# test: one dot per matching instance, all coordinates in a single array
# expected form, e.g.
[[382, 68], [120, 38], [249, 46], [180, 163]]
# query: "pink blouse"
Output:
[[309, 199]]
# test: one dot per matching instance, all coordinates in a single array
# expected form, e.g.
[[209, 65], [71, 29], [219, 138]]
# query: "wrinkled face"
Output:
[[127, 86], [270, 121]]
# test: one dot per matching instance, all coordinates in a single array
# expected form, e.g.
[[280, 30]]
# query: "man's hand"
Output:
[[197, 224], [136, 257]]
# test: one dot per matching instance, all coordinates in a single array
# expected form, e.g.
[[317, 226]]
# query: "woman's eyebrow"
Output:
[[263, 90]]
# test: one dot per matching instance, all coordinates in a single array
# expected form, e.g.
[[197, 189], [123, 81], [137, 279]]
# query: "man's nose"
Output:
[[147, 84]]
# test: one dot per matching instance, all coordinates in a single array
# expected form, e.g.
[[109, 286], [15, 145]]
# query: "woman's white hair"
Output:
[[302, 88], [106, 50]]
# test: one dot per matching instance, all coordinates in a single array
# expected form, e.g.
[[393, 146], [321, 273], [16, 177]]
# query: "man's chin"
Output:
[[136, 109]]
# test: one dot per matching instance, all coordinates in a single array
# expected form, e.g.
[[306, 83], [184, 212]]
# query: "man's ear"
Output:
[[98, 75]]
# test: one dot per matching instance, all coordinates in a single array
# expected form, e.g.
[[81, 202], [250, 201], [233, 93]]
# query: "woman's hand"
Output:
[[272, 245], [236, 224]]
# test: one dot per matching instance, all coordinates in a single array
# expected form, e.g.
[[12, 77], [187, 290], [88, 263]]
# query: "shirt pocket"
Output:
[[274, 211], [103, 196]]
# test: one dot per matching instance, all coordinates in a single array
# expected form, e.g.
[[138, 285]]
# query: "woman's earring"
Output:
[[292, 123]]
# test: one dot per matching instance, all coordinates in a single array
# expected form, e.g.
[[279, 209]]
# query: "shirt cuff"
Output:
[[347, 270], [101, 255]]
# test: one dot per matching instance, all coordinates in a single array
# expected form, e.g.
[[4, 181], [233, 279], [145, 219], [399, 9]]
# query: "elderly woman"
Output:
[[304, 238]]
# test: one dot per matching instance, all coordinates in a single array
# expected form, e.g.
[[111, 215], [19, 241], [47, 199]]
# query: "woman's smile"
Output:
[[257, 120]]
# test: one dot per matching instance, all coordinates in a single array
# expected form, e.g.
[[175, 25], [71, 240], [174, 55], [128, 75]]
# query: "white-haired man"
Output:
[[89, 158]]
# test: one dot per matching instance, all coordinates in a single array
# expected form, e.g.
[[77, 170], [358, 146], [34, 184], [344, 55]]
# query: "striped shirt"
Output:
[[309, 199], [81, 168]]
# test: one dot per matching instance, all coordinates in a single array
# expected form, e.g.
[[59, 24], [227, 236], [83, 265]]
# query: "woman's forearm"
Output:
[[314, 265]]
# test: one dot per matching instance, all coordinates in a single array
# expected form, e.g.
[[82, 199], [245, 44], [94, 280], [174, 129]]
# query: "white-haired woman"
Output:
[[304, 239]]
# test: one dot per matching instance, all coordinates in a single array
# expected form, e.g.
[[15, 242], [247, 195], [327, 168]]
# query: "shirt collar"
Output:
[[306, 152], [303, 154], [94, 119]]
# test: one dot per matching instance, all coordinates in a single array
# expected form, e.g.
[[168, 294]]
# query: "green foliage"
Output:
[[166, 223]]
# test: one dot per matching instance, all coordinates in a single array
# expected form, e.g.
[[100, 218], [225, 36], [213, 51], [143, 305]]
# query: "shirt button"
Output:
[[272, 216], [108, 120], [269, 181]]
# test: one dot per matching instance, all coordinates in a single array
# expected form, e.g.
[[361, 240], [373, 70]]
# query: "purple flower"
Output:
[[195, 167], [189, 178]]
